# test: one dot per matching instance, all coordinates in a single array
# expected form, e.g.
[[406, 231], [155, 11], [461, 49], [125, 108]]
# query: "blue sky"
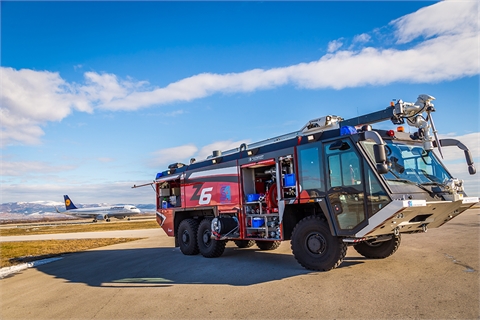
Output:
[[98, 96]]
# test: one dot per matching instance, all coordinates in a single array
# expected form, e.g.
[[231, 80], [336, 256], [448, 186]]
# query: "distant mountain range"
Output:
[[48, 207]]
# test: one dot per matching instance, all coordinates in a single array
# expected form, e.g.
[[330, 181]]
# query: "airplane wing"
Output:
[[86, 214]]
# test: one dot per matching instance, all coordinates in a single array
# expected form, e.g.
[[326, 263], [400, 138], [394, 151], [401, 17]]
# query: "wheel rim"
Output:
[[206, 238], [316, 243], [185, 237]]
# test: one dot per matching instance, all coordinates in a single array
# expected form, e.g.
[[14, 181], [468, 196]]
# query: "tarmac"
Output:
[[433, 275]]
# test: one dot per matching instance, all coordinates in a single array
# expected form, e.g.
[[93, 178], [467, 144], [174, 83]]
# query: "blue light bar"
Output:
[[347, 130]]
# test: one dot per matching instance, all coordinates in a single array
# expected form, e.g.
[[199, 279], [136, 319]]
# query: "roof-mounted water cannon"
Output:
[[321, 124], [413, 113]]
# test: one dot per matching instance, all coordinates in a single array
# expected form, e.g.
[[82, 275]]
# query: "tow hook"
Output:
[[424, 227], [396, 231]]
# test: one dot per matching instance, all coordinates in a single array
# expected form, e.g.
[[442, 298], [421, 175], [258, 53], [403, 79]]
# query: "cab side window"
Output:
[[311, 177], [344, 169]]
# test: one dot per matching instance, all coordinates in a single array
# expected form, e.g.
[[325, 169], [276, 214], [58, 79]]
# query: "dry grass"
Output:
[[87, 227], [13, 253]]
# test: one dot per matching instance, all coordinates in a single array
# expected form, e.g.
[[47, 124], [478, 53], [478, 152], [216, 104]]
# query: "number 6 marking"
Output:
[[204, 196]]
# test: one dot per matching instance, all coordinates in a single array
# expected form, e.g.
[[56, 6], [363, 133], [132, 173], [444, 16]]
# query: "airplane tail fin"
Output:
[[68, 203]]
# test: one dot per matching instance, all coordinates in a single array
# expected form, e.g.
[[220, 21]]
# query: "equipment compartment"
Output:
[[260, 224]]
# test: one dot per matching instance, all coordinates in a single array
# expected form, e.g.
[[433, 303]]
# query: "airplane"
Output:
[[119, 212]]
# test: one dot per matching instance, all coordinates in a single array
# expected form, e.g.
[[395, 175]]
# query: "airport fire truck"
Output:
[[335, 183]]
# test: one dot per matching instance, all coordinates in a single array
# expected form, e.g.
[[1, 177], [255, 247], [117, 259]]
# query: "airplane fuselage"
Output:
[[119, 212]]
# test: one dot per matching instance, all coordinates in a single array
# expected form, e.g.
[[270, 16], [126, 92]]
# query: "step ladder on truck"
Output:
[[334, 183]]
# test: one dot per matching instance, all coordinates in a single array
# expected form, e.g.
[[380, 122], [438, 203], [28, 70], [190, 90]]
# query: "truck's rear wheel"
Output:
[[209, 248], [244, 243], [268, 245], [314, 247], [187, 237], [378, 250]]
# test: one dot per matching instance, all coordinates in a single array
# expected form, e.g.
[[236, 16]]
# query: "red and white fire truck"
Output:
[[334, 183]]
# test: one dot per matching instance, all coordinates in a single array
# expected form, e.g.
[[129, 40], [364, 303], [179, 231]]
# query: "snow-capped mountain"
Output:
[[49, 207]]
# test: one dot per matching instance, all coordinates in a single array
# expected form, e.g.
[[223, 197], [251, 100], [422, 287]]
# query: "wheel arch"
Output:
[[295, 212]]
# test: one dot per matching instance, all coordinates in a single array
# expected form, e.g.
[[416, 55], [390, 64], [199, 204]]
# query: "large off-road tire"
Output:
[[187, 237], [379, 250], [268, 245], [314, 247], [244, 243], [209, 248]]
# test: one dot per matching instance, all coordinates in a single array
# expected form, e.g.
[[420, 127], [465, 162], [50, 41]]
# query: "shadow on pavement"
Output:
[[164, 267]]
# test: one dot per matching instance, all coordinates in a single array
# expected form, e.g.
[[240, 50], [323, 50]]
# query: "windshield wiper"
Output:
[[432, 194], [394, 174], [432, 183]]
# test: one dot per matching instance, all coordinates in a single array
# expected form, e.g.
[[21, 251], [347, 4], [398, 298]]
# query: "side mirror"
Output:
[[380, 158], [471, 169], [382, 168], [379, 152], [468, 155]]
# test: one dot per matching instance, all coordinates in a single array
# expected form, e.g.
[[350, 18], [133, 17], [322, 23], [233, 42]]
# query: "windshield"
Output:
[[410, 162]]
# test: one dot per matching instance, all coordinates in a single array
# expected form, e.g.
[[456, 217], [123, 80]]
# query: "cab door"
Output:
[[344, 185]]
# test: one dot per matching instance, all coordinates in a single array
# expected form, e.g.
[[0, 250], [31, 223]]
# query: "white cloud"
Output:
[[162, 158], [28, 168], [448, 50], [362, 38], [101, 89], [334, 45], [30, 98], [443, 18]]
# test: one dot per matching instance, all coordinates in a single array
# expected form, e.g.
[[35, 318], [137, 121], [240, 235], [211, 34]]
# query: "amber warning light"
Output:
[[400, 129]]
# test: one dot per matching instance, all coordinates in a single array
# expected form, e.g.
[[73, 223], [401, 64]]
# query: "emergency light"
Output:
[[347, 130]]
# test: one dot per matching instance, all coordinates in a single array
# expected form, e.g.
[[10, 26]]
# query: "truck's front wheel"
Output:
[[209, 248], [314, 247], [187, 237], [378, 250]]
